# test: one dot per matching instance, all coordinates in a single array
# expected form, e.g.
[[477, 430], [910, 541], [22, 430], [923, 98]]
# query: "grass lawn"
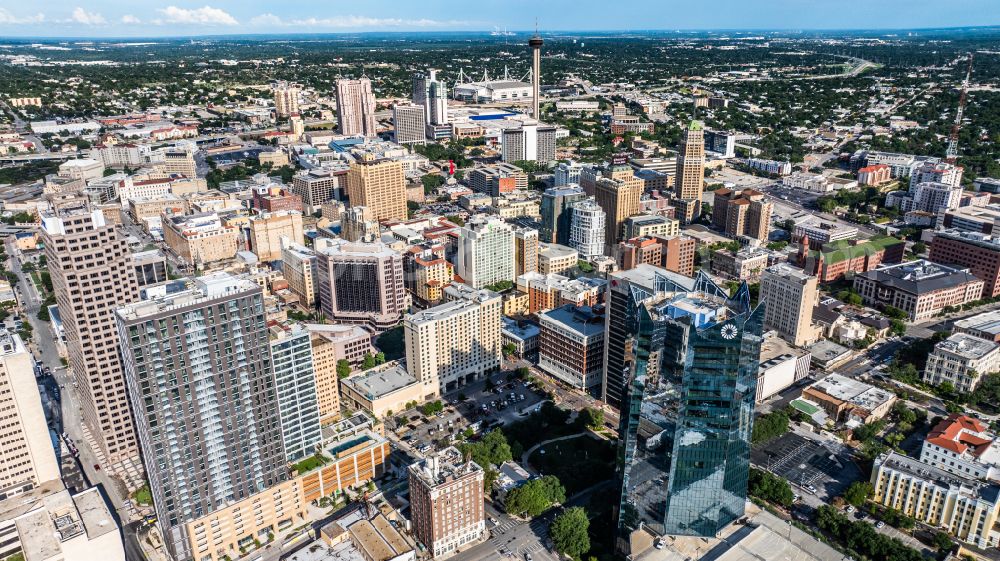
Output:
[[143, 496], [310, 463], [578, 462]]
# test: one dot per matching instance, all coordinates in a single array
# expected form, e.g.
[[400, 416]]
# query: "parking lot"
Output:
[[809, 466], [480, 410]]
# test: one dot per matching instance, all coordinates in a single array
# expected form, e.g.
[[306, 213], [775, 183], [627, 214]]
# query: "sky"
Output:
[[159, 18]]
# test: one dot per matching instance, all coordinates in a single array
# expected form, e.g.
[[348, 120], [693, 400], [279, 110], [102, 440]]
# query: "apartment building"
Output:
[[299, 267], [555, 259], [427, 273], [455, 343], [356, 107], [619, 199], [525, 251], [742, 213], [446, 503], [650, 225], [571, 345], [546, 292], [332, 343], [295, 382], [485, 254]]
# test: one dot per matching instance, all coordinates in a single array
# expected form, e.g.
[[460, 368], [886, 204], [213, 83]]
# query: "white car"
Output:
[[880, 524]]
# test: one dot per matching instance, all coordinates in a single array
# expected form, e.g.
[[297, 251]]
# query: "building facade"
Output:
[[789, 296], [356, 107], [689, 177], [295, 382], [962, 360], [920, 288], [379, 185], [571, 345], [446, 503], [485, 254], [979, 252], [586, 231], [361, 283]]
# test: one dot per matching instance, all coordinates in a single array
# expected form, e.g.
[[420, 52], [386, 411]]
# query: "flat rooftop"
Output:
[[853, 391], [966, 346], [986, 322], [584, 320], [380, 382], [919, 277], [914, 467]]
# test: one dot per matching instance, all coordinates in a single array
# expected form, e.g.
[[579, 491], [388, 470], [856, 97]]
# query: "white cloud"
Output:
[[130, 19], [84, 17], [347, 22], [7, 18], [198, 16]]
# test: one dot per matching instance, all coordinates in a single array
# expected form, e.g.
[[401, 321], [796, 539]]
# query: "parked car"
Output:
[[880, 524]]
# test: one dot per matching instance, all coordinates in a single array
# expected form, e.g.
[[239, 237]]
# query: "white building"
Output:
[[83, 168], [485, 254], [936, 172], [567, 174], [295, 382], [586, 232], [780, 366], [964, 446], [530, 141], [457, 342], [64, 527], [962, 360]]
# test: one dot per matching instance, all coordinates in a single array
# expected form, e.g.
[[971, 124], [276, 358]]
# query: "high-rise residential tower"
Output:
[[409, 122], [587, 229], [689, 178], [485, 254], [619, 199], [27, 457], [92, 274], [556, 214], [207, 410], [286, 99], [379, 185], [432, 95], [356, 107], [691, 361], [525, 251], [295, 381]]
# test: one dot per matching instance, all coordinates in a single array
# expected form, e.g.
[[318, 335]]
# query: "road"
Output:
[[67, 417]]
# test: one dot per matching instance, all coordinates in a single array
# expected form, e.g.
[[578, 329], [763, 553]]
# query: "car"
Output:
[[850, 509], [880, 524], [97, 467], [812, 488], [527, 557]]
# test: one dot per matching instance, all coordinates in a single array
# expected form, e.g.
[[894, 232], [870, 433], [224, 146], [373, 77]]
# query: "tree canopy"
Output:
[[535, 496], [569, 532]]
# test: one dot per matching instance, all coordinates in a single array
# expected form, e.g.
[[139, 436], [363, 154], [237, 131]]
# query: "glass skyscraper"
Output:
[[690, 372]]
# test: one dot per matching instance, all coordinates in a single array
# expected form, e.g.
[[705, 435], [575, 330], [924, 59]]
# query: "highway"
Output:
[[68, 417]]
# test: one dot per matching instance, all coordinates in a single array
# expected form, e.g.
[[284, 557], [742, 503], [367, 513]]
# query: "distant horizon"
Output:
[[106, 19], [513, 32]]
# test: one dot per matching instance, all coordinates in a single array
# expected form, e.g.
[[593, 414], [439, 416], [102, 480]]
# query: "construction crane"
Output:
[[952, 153]]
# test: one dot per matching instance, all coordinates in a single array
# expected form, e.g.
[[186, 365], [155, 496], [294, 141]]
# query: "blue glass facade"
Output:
[[687, 412]]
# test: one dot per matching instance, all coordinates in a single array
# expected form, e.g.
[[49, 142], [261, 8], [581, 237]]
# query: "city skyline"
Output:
[[181, 18]]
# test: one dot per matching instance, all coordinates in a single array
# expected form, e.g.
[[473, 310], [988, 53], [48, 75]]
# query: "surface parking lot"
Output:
[[804, 462]]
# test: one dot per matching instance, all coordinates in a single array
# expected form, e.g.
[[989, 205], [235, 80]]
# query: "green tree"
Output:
[[368, 362], [769, 426], [508, 349], [379, 358], [569, 532], [943, 542], [768, 487], [858, 493], [591, 418], [43, 314], [343, 368], [535, 496]]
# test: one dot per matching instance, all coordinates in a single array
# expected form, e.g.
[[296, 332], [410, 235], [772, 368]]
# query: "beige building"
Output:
[[299, 269], [556, 259], [789, 296], [446, 503], [64, 527], [83, 168], [269, 228], [200, 239], [385, 390], [457, 342], [286, 99], [619, 199], [689, 178], [379, 185], [27, 458], [744, 265], [355, 107], [358, 224], [742, 213], [428, 272], [318, 187], [361, 283], [332, 343], [92, 274], [650, 225], [179, 162], [966, 508], [141, 208], [962, 360]]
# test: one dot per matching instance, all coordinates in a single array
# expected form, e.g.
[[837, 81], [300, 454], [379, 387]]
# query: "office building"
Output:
[[619, 199], [455, 343], [446, 502], [295, 382], [298, 266], [545, 292], [963, 445], [961, 360], [690, 371], [789, 296], [286, 99], [92, 274], [270, 230], [645, 225], [689, 175], [179, 162], [721, 142], [207, 411], [485, 254], [555, 259], [385, 390], [432, 95], [571, 345], [427, 272], [746, 264], [332, 343], [555, 212], [200, 239], [409, 122], [964, 507], [985, 326], [528, 141], [981, 219], [361, 283], [780, 366], [355, 107], [836, 259], [586, 231], [58, 526], [27, 456], [358, 224], [525, 251], [850, 401], [318, 186], [979, 252], [379, 185], [566, 173], [742, 213], [920, 288], [150, 267]]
